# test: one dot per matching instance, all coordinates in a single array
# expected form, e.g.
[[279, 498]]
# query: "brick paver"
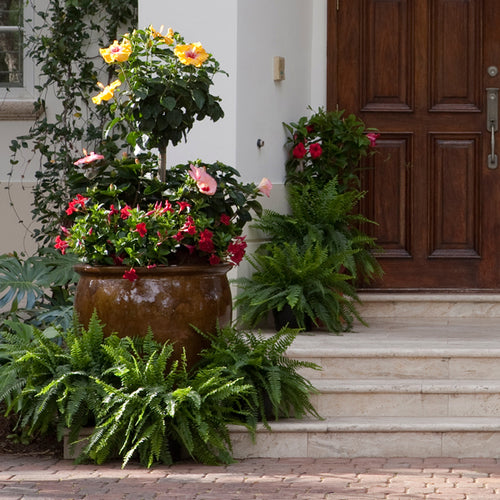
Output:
[[25, 478]]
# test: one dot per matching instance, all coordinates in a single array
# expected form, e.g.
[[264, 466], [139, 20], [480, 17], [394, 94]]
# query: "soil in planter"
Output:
[[44, 445]]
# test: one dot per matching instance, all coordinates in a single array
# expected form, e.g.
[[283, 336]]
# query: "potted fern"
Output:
[[301, 279], [315, 255]]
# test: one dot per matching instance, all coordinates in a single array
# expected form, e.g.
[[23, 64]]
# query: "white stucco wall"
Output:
[[245, 35]]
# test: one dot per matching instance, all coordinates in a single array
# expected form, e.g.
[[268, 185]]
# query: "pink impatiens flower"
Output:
[[205, 182], [265, 186], [373, 138]]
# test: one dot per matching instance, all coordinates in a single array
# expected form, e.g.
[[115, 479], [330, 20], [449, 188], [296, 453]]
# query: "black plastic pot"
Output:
[[286, 317]]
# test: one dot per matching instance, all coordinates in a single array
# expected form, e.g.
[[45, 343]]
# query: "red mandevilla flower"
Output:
[[206, 244], [125, 212], [315, 150], [299, 151], [373, 139], [236, 249], [77, 204], [225, 219], [61, 244], [112, 211], [130, 275], [183, 205], [141, 229], [214, 260]]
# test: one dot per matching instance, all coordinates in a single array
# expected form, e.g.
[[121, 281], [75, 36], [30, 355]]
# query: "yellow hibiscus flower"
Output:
[[116, 52], [192, 54], [107, 92], [168, 38]]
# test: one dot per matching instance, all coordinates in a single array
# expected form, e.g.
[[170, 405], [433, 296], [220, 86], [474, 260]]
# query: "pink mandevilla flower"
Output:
[[373, 138], [205, 182], [91, 157], [265, 186]]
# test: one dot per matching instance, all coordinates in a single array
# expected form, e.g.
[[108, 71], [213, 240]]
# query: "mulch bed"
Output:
[[45, 445]]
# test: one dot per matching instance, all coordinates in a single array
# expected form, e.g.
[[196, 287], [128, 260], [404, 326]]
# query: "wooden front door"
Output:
[[418, 71]]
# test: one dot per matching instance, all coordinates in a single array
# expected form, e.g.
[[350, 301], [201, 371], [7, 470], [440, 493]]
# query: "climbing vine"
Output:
[[63, 43]]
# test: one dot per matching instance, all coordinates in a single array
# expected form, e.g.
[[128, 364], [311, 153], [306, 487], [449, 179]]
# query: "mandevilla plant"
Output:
[[200, 219], [328, 145]]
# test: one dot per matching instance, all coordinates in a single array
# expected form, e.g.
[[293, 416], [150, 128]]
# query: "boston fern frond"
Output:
[[304, 278], [157, 408], [261, 362]]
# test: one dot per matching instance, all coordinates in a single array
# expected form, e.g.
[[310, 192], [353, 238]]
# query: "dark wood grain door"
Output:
[[418, 70]]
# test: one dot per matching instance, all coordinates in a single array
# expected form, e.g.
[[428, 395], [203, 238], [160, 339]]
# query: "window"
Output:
[[11, 43], [17, 73]]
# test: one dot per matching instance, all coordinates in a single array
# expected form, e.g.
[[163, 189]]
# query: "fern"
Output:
[[158, 407], [305, 278], [260, 362]]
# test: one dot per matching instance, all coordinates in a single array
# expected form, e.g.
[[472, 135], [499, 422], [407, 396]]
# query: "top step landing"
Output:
[[429, 305]]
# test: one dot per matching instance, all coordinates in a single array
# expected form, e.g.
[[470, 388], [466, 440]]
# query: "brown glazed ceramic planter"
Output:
[[168, 299]]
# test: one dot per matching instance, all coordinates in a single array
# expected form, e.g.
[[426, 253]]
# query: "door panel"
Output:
[[417, 71]]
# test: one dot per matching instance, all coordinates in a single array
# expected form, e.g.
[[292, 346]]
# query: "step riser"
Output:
[[429, 306], [392, 367], [406, 405], [367, 444]]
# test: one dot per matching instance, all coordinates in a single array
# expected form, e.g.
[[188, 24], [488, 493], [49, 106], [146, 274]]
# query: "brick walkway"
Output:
[[23, 478]]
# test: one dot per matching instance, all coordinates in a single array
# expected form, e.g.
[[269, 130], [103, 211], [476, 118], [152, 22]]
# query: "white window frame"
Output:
[[18, 102]]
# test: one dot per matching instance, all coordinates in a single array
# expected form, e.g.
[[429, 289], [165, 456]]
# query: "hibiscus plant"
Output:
[[162, 87]]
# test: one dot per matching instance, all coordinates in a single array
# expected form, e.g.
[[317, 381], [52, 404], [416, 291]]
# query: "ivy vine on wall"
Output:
[[63, 42]]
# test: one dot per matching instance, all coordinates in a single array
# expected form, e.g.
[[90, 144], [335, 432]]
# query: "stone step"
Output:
[[407, 397], [429, 305], [393, 348], [411, 384], [372, 437]]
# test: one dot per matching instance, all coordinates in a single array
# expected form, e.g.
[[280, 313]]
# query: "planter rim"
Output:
[[161, 270]]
